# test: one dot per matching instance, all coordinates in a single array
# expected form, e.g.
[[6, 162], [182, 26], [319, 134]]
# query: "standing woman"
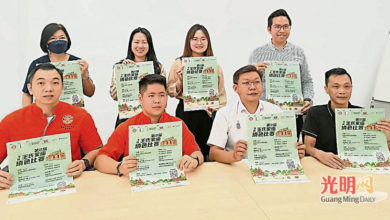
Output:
[[55, 41], [140, 50], [197, 44]]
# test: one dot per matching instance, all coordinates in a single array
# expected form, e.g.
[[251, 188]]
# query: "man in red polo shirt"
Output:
[[49, 116], [153, 98]]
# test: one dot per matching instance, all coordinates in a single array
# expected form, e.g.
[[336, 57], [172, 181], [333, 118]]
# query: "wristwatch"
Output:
[[87, 164], [117, 169], [309, 100], [197, 159]]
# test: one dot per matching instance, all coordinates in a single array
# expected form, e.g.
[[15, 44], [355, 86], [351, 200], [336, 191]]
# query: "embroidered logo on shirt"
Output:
[[67, 119]]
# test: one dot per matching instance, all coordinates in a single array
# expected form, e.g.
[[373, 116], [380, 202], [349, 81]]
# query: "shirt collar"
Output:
[[241, 107], [272, 46], [331, 112]]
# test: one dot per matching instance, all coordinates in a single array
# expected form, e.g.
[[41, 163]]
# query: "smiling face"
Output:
[[139, 46], [249, 87], [153, 100], [339, 89], [46, 87], [279, 30], [198, 44]]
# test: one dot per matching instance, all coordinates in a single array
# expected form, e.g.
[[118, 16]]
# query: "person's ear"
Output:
[[235, 87], [269, 30], [29, 87], [326, 89], [140, 98]]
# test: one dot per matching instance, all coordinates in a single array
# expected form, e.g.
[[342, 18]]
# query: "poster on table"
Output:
[[127, 77], [362, 147], [158, 149], [272, 152], [200, 83], [73, 83], [283, 85], [38, 168]]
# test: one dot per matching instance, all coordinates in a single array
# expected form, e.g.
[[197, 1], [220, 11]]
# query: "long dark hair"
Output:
[[150, 55], [190, 34]]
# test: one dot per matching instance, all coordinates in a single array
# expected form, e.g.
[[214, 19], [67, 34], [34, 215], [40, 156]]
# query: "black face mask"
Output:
[[58, 47]]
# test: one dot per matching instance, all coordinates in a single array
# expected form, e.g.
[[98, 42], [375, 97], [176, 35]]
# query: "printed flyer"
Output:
[[127, 77], [158, 149], [272, 153], [73, 83], [38, 168], [283, 85], [359, 144], [200, 83]]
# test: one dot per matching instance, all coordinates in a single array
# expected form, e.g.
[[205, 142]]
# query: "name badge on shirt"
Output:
[[238, 125]]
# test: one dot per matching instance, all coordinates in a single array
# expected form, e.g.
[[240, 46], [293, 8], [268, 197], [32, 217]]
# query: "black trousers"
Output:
[[299, 120], [119, 121], [199, 124]]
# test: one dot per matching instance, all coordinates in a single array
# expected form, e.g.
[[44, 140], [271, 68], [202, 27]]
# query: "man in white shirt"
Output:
[[227, 137]]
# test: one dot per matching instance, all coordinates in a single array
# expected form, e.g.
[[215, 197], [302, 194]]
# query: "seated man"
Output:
[[153, 98], [320, 124], [49, 116], [228, 134]]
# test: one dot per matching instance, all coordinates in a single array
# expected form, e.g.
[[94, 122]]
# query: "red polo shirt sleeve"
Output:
[[189, 143], [117, 144], [3, 141], [89, 138]]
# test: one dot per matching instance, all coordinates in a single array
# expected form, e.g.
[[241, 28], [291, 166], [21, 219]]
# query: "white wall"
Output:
[[333, 33]]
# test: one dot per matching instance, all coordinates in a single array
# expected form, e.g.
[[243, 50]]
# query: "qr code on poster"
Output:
[[173, 173]]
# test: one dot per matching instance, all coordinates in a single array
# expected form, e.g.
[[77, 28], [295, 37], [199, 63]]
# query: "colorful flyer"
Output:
[[73, 83], [272, 154], [200, 83], [359, 144], [127, 77], [38, 168], [158, 149], [283, 85]]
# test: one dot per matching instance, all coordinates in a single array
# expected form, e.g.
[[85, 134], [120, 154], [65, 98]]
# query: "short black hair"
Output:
[[48, 31], [336, 71], [151, 79], [245, 69], [278, 13], [44, 66]]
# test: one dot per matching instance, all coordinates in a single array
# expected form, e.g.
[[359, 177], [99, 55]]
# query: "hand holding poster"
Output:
[[127, 77], [272, 153], [283, 85], [38, 167], [73, 84], [158, 149], [200, 83], [359, 144]]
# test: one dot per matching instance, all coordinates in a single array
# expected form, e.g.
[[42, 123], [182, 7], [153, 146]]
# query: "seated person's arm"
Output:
[[106, 164], [326, 158], [220, 155], [5, 180], [77, 167], [190, 162]]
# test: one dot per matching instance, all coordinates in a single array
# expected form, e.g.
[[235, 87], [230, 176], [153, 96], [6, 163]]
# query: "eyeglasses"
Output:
[[249, 84], [279, 27]]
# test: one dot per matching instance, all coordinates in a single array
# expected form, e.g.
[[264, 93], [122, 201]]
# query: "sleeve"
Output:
[[306, 80], [162, 72], [219, 131], [221, 88], [189, 143], [30, 68], [173, 78], [116, 144], [113, 92], [310, 126], [3, 141], [90, 139]]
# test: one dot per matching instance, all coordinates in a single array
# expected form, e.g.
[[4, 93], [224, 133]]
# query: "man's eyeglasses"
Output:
[[279, 27], [249, 84]]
